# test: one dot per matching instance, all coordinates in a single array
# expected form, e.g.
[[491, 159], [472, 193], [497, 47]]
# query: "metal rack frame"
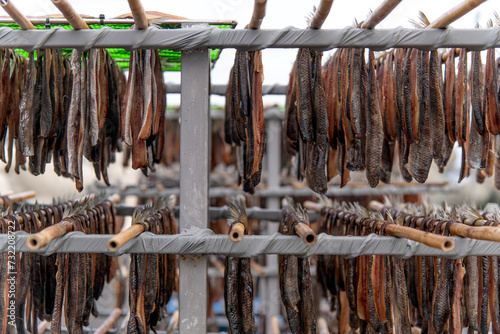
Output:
[[195, 41]]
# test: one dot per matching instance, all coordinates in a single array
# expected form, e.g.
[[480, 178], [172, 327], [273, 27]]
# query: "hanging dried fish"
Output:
[[238, 284], [295, 279]]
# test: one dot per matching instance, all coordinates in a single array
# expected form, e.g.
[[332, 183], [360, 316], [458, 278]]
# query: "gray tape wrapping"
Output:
[[204, 241], [249, 39]]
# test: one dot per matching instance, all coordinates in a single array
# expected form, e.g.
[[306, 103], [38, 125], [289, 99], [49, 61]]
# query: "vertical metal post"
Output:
[[272, 298], [195, 162]]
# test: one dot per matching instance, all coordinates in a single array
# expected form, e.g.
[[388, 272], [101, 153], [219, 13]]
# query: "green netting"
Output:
[[171, 60]]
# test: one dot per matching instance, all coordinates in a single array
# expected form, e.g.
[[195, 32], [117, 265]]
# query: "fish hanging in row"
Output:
[[47, 286], [152, 276], [238, 283], [68, 110], [432, 294], [295, 276], [244, 116], [143, 114], [355, 123]]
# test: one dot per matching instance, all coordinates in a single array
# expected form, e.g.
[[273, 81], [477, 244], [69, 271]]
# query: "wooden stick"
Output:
[[259, 11], [14, 198], [109, 322], [275, 328], [306, 233], [42, 238], [380, 13], [488, 233], [16, 15], [321, 14], [69, 13], [429, 239], [116, 242], [322, 326], [42, 327], [237, 232], [455, 13], [310, 205], [258, 268], [376, 205], [174, 323], [140, 19]]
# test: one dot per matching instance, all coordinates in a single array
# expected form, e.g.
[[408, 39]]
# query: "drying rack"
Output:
[[194, 40]]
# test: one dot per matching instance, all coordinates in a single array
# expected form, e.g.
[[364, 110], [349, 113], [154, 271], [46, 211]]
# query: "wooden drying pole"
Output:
[[380, 13], [116, 242], [70, 14], [321, 14], [16, 15], [42, 238], [488, 233], [140, 19], [306, 233], [452, 15], [237, 232], [455, 13], [259, 11], [19, 197]]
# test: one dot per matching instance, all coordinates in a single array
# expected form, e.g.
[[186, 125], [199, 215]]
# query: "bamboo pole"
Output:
[[455, 13], [116, 242], [70, 14], [109, 322], [306, 233], [140, 19], [275, 328], [258, 268], [237, 232], [19, 197], [429, 239], [321, 14], [259, 11], [488, 233], [16, 15], [380, 13], [322, 326], [313, 206], [42, 238], [42, 327]]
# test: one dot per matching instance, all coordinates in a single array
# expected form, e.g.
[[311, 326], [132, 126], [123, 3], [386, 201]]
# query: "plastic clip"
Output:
[[47, 23], [101, 19]]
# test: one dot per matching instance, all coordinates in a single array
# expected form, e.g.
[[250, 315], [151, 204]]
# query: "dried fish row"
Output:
[[152, 276], [238, 283], [295, 276], [244, 116], [47, 285], [390, 295], [142, 114]]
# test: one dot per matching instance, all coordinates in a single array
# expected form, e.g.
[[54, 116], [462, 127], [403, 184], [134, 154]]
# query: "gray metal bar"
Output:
[[125, 21], [215, 213], [250, 39], [203, 242], [195, 162], [273, 156], [301, 192], [271, 113], [221, 89]]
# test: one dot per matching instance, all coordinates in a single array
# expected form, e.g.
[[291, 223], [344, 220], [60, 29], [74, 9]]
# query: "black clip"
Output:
[[101, 18], [47, 23]]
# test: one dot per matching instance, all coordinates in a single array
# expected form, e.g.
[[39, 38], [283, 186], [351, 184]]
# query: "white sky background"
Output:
[[280, 14]]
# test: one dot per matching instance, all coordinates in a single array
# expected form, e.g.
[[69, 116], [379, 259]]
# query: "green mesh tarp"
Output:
[[171, 60]]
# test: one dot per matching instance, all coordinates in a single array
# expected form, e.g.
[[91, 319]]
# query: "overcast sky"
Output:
[[280, 14]]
